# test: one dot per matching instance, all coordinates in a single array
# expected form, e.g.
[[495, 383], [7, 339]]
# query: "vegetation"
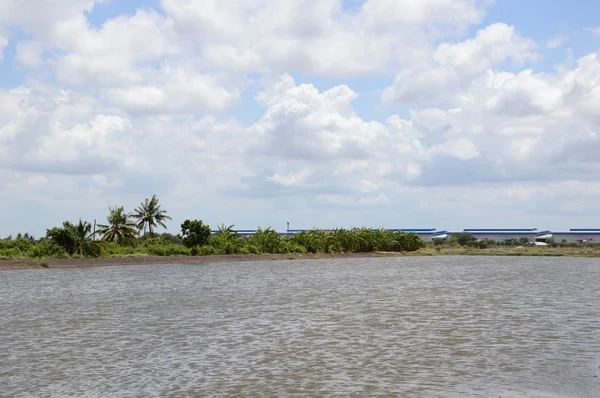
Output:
[[134, 234], [75, 239], [194, 233], [149, 214], [120, 228]]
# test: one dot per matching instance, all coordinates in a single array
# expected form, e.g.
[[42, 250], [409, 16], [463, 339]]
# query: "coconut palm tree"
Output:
[[75, 238], [84, 245], [149, 214], [119, 227]]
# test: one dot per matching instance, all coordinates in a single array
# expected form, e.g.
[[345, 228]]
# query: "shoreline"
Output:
[[20, 264], [46, 263]]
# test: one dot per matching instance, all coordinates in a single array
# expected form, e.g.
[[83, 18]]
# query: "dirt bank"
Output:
[[110, 261]]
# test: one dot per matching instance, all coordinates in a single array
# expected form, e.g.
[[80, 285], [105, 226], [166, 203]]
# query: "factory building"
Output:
[[504, 235], [573, 235]]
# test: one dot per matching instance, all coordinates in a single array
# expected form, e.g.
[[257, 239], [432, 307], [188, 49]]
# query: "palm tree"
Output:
[[149, 214], [83, 244], [119, 227]]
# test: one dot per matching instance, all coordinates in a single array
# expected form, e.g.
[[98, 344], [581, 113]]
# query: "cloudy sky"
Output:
[[443, 114]]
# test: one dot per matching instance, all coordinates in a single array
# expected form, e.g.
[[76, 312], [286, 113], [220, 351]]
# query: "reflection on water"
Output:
[[410, 327]]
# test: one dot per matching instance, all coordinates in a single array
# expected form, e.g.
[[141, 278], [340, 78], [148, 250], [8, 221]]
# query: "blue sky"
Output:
[[466, 113]]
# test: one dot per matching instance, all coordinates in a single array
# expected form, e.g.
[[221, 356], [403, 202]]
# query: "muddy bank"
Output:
[[114, 261]]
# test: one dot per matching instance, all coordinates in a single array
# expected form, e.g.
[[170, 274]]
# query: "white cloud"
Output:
[[4, 37], [111, 54], [556, 41], [455, 65], [141, 103], [595, 30], [29, 54], [309, 36]]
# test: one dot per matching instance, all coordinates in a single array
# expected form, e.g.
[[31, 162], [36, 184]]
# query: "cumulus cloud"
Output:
[[454, 65], [256, 110], [317, 37]]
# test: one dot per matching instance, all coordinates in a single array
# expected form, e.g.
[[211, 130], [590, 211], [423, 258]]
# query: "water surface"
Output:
[[410, 327]]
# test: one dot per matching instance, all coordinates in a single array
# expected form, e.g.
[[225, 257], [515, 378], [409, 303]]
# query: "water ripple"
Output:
[[410, 327]]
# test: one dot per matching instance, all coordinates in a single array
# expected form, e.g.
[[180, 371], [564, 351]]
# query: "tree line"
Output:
[[134, 234]]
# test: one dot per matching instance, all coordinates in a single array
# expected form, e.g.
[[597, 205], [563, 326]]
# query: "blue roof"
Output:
[[500, 229], [577, 232]]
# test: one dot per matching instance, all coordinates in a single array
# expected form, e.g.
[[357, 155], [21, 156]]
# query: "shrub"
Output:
[[464, 238], [11, 253], [226, 240], [48, 248], [164, 248], [194, 233], [439, 242], [202, 251], [265, 241]]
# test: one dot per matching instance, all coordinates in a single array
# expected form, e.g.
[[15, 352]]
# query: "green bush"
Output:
[[357, 240], [11, 253], [202, 251], [19, 244], [439, 242], [226, 240], [464, 238], [113, 249], [266, 241], [194, 233], [165, 248], [48, 248]]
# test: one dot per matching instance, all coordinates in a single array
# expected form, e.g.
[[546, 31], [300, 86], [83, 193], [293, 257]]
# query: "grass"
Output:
[[531, 251]]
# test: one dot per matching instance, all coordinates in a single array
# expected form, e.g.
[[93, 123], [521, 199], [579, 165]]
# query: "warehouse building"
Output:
[[573, 235], [502, 235]]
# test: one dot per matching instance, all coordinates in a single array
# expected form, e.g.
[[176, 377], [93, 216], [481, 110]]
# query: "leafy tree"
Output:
[[149, 214], [225, 240], [75, 239], [120, 228], [194, 233], [464, 238], [165, 236], [523, 241]]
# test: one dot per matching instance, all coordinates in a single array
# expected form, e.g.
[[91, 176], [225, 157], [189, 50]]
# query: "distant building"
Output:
[[427, 234], [503, 235], [573, 235]]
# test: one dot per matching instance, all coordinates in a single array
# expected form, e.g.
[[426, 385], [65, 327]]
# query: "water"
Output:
[[410, 327]]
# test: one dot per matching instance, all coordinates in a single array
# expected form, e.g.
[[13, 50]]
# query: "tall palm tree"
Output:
[[119, 227], [83, 244], [149, 214]]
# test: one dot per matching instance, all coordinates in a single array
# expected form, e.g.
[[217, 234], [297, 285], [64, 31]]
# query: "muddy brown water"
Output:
[[405, 327]]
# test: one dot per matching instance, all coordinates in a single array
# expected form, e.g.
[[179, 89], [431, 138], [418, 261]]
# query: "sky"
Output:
[[444, 114]]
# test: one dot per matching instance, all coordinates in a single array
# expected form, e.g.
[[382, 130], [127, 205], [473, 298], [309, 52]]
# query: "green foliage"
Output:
[[265, 241], [75, 239], [226, 240], [157, 247], [48, 248], [357, 240], [479, 244], [453, 241], [149, 214], [464, 238], [194, 233], [20, 244], [202, 251], [439, 242], [119, 228], [524, 241]]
